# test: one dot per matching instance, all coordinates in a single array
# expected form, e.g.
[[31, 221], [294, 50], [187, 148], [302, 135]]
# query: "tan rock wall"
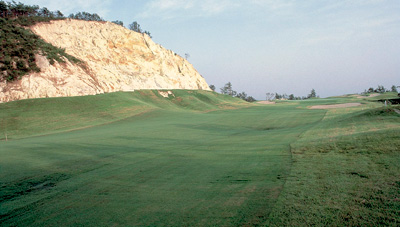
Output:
[[57, 80], [117, 59]]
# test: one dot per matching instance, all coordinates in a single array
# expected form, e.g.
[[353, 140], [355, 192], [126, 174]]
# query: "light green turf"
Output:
[[195, 158]]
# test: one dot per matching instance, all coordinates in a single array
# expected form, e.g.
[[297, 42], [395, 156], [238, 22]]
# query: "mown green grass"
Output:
[[197, 158], [175, 165], [43, 116], [345, 171]]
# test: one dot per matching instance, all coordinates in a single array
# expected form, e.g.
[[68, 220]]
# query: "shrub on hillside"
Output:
[[19, 47]]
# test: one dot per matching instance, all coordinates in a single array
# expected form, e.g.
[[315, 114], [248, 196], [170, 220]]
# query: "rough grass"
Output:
[[345, 172]]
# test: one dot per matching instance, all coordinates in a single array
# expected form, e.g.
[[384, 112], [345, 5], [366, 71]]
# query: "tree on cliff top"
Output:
[[118, 22], [86, 16], [135, 26]]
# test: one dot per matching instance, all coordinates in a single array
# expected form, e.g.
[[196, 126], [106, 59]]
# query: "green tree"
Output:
[[242, 95], [245, 97], [44, 12], [212, 87], [227, 90], [313, 94], [250, 99], [270, 96], [118, 22], [86, 16], [3, 9], [59, 14], [380, 89], [148, 33], [394, 89], [135, 26], [33, 10]]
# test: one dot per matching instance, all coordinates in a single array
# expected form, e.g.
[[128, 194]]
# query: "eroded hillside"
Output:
[[115, 59]]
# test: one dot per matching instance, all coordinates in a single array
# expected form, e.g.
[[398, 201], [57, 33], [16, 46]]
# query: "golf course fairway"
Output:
[[197, 158]]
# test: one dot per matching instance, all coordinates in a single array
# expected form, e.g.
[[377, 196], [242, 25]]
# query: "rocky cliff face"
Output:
[[115, 59]]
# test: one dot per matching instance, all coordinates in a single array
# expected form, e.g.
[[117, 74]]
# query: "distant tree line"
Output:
[[34, 14], [227, 90], [134, 26], [86, 16], [380, 89], [118, 22], [275, 96], [16, 10]]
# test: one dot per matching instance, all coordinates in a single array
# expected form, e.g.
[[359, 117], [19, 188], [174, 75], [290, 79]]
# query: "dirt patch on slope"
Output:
[[363, 97], [266, 102], [344, 105]]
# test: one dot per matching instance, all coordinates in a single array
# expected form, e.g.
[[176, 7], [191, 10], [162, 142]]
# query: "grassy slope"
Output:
[[173, 165], [43, 116], [345, 171], [149, 160]]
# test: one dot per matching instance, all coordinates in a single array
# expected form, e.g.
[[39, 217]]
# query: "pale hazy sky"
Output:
[[285, 46]]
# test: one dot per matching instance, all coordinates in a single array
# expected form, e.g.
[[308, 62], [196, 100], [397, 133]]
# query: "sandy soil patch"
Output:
[[344, 105], [266, 102], [370, 96], [166, 94]]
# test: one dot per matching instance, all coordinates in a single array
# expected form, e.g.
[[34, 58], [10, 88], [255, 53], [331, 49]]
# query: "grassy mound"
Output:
[[42, 116]]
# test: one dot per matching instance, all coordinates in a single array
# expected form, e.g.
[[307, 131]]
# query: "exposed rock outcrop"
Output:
[[115, 59]]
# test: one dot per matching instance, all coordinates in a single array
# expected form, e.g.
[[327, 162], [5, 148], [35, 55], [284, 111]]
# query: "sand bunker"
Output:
[[344, 105], [363, 97], [266, 102]]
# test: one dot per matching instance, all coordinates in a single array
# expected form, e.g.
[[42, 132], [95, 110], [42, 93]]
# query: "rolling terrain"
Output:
[[197, 158]]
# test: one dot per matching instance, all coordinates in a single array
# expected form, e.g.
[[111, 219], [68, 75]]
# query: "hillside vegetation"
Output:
[[19, 45], [198, 158]]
